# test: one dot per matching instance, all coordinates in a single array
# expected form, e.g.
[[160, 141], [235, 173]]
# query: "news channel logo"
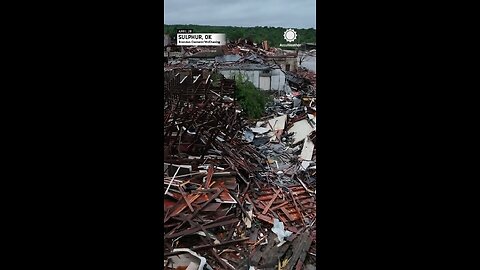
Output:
[[290, 35]]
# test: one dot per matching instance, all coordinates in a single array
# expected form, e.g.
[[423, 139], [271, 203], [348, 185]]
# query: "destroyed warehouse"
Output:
[[239, 193]]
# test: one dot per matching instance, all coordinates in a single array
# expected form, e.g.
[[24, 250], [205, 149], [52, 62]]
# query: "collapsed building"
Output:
[[238, 193], [268, 68], [262, 76]]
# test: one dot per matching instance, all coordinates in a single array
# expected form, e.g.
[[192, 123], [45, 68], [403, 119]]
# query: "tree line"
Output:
[[257, 34]]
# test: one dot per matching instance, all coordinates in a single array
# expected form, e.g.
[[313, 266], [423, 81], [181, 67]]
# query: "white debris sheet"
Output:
[[302, 129], [248, 219], [191, 260], [280, 231], [260, 130], [307, 151], [305, 165], [278, 123]]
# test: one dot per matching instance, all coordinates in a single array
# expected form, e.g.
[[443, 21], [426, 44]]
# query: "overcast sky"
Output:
[[277, 13]]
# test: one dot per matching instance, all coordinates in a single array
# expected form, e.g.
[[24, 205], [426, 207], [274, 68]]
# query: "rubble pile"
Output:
[[309, 76], [241, 49], [239, 194], [245, 48]]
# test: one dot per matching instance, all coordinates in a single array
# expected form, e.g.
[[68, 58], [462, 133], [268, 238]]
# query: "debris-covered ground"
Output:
[[239, 194]]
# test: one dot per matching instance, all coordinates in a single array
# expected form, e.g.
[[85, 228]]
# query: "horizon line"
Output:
[[239, 26]]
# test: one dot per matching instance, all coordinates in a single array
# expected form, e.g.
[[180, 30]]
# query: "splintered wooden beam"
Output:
[[186, 197], [168, 254], [288, 214], [209, 241], [197, 211], [196, 229], [303, 244], [296, 208], [279, 206], [209, 176], [265, 218], [241, 206], [270, 202]]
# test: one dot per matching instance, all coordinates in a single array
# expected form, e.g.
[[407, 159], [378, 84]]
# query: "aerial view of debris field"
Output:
[[239, 186]]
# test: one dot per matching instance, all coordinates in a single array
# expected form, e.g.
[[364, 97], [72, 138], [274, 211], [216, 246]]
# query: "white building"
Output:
[[262, 76]]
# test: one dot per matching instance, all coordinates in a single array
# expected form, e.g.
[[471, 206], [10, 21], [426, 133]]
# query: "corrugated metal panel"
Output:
[[227, 58], [265, 83]]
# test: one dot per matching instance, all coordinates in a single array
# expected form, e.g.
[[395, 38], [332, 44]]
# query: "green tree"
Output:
[[251, 99]]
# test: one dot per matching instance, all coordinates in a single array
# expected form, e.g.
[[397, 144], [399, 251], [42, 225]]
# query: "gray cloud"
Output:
[[277, 13]]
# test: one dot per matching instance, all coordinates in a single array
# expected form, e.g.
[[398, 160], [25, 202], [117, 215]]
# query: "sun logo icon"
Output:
[[290, 35]]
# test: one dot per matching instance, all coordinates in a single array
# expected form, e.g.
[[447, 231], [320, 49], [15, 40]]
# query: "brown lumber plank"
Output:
[[270, 202]]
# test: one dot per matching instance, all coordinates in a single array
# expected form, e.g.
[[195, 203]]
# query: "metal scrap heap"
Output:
[[238, 194]]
